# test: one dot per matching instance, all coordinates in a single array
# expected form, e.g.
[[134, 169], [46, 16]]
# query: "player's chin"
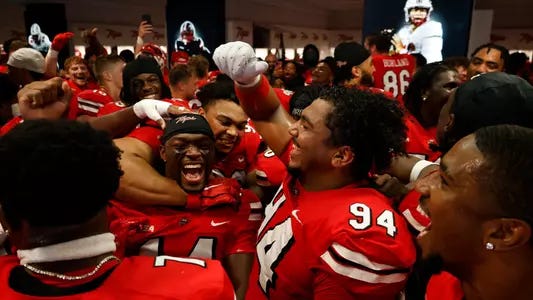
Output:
[[191, 187]]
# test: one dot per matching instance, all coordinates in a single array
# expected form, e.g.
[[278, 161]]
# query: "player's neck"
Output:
[[321, 181], [112, 90], [506, 278], [178, 95]]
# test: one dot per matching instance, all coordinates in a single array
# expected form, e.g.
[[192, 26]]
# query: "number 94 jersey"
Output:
[[393, 73], [337, 244]]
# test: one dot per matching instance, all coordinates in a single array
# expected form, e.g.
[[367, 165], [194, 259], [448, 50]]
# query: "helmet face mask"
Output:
[[420, 4]]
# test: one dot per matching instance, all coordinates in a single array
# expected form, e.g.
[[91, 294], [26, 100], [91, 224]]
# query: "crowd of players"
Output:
[[371, 176]]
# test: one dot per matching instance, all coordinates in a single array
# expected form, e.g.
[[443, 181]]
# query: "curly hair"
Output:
[[370, 123], [56, 173], [507, 171], [422, 82], [217, 90]]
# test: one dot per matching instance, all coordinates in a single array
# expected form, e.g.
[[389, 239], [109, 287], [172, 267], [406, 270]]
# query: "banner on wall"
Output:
[[435, 28], [196, 27]]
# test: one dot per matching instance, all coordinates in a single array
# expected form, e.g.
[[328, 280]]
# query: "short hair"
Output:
[[504, 52], [421, 82], [74, 60], [420, 59], [56, 173], [457, 61], [517, 63], [199, 65], [127, 55], [104, 63], [302, 98], [382, 43], [179, 73], [217, 90], [507, 171], [14, 44], [369, 123]]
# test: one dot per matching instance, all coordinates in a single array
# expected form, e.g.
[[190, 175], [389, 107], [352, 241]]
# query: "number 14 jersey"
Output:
[[336, 244]]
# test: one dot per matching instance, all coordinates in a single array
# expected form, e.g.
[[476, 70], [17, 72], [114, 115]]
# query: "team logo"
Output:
[[184, 119]]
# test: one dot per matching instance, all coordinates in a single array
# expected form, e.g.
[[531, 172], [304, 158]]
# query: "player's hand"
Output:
[[60, 40], [390, 186], [156, 110], [397, 43], [44, 99], [144, 29], [219, 192], [238, 61]]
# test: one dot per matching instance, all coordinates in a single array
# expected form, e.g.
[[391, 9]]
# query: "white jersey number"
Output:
[[393, 84], [204, 247], [363, 219]]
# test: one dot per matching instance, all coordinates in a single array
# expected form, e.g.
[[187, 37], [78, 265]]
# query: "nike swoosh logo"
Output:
[[294, 213], [215, 224]]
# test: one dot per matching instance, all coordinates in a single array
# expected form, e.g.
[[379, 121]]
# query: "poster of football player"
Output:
[[38, 40], [434, 28], [195, 33], [189, 40], [420, 34]]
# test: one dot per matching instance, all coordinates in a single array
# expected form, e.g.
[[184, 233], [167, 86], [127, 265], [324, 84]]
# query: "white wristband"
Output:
[[140, 41], [417, 168]]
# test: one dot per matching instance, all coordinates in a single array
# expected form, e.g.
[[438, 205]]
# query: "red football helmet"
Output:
[[155, 51]]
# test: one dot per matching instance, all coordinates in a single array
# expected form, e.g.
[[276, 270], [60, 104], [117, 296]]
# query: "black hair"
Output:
[[517, 63], [56, 173], [370, 123], [504, 52], [217, 90], [310, 56], [179, 73], [420, 59], [421, 82], [383, 43], [8, 90], [143, 64], [127, 55], [507, 170], [456, 61]]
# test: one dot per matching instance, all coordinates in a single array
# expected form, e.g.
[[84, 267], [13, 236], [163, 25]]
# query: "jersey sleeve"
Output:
[[412, 212], [110, 108], [270, 169], [284, 97], [377, 267], [91, 101], [248, 221], [148, 134], [252, 143]]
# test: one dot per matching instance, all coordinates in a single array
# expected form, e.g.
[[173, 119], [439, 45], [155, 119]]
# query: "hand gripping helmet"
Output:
[[417, 3], [153, 50]]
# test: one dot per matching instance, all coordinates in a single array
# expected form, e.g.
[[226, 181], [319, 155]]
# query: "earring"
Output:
[[489, 246], [424, 98]]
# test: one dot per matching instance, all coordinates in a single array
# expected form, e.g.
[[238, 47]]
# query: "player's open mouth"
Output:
[[80, 79], [193, 173]]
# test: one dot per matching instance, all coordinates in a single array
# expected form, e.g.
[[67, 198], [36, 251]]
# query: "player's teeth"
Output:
[[192, 166]]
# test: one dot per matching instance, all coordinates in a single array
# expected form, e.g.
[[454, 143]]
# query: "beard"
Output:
[[294, 172], [367, 80]]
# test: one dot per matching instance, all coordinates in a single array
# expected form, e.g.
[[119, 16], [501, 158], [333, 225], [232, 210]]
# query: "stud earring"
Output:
[[489, 246], [424, 98]]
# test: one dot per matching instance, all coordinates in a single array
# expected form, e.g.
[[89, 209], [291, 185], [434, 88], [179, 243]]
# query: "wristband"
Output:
[[261, 90], [249, 85], [140, 41], [417, 168]]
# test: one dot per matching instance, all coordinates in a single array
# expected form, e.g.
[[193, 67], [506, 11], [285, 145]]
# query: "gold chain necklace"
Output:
[[68, 277]]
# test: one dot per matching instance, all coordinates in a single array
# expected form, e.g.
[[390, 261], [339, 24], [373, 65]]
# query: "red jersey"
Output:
[[4, 69], [193, 104], [444, 286], [335, 244], [284, 97], [419, 139], [76, 89], [214, 233], [110, 108], [393, 73], [242, 159], [10, 125], [138, 278], [270, 170], [91, 101], [412, 212]]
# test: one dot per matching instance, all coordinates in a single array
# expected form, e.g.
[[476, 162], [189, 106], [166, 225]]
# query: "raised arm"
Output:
[[259, 101]]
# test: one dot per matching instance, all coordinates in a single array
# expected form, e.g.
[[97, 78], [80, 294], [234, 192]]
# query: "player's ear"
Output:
[[201, 111], [107, 76], [163, 153], [506, 234], [356, 72], [342, 157]]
